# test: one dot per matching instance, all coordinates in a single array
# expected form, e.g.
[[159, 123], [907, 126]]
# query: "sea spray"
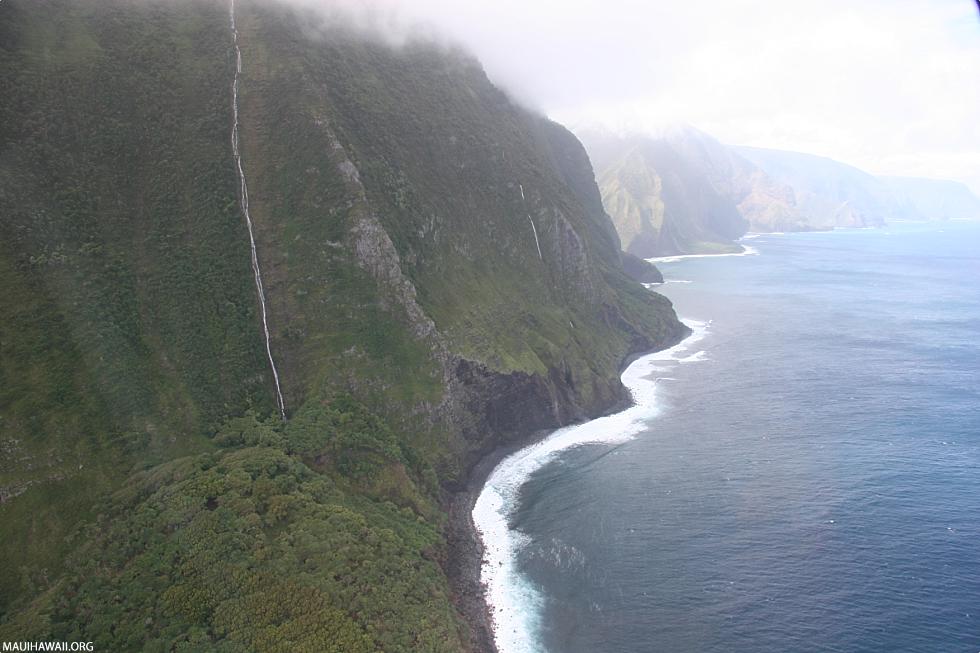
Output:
[[818, 470], [243, 200], [747, 250], [515, 603]]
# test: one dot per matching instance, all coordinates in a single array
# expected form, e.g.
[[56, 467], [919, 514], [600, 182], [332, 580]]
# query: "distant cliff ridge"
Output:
[[660, 200], [829, 193], [682, 191], [936, 199]]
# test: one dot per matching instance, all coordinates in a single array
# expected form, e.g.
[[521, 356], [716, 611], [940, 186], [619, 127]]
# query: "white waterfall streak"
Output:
[[535, 232], [534, 229], [243, 199]]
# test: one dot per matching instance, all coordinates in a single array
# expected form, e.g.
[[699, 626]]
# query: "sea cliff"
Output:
[[439, 281]]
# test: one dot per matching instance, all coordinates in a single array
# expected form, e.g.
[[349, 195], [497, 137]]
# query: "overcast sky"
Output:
[[891, 86]]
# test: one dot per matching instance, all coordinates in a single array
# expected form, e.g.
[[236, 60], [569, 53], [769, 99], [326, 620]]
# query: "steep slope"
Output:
[[435, 186], [129, 322], [660, 201], [684, 192], [674, 193], [829, 193], [641, 270], [767, 204], [936, 199], [439, 275]]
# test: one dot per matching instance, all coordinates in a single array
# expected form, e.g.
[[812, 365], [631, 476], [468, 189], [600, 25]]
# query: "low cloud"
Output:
[[887, 85]]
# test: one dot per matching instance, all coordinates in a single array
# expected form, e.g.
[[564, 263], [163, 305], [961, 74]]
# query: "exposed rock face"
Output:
[[373, 249]]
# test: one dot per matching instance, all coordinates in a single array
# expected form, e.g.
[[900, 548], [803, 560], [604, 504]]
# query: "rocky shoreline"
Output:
[[466, 550], [465, 546]]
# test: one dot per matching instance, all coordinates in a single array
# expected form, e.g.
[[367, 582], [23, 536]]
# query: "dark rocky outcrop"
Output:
[[641, 270]]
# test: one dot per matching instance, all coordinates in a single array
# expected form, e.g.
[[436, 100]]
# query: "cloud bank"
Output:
[[891, 86]]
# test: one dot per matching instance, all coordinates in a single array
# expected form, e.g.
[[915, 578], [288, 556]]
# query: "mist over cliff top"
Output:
[[885, 86]]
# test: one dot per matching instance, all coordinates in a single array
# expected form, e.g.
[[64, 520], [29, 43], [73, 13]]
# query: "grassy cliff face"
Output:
[[403, 173], [150, 497], [129, 323]]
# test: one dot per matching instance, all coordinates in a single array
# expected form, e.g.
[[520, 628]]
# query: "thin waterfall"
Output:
[[243, 199], [535, 232], [534, 229]]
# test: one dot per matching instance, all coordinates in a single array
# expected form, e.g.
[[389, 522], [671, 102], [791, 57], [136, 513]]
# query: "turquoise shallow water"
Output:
[[811, 482]]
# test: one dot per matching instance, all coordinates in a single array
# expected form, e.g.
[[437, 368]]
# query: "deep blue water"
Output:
[[813, 484]]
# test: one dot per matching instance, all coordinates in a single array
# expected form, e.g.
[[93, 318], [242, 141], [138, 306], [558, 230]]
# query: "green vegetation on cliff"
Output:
[[243, 551], [129, 322], [149, 498]]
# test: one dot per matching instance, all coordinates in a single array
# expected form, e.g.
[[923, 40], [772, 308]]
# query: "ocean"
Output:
[[802, 474]]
